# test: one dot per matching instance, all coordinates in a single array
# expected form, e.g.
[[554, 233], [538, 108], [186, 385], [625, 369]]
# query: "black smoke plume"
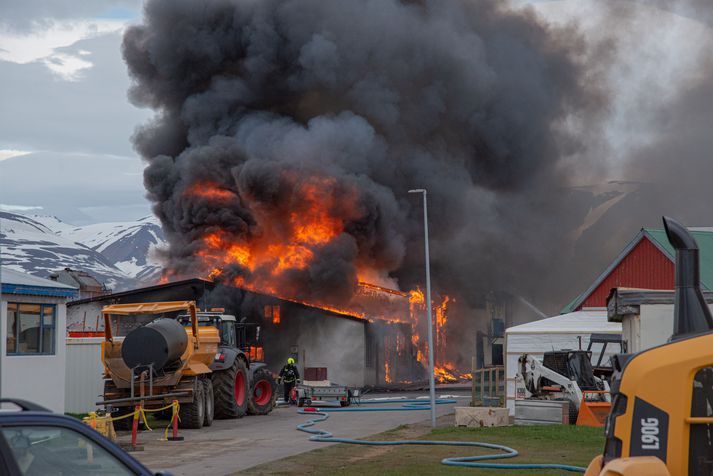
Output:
[[477, 103]]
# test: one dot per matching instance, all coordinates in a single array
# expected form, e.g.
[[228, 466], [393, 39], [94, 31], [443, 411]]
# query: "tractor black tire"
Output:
[[209, 401], [163, 415], [125, 424], [263, 393], [192, 414], [230, 386]]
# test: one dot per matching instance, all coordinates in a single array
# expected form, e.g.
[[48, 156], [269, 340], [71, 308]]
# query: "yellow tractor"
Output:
[[661, 421], [194, 357]]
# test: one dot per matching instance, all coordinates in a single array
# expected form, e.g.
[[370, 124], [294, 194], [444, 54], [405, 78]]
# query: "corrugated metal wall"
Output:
[[84, 381], [645, 267]]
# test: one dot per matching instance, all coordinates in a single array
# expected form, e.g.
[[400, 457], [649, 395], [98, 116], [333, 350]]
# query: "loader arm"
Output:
[[533, 372]]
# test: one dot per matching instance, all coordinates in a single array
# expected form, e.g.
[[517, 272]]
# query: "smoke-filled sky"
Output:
[[498, 113]]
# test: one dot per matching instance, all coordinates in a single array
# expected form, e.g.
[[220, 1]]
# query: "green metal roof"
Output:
[[571, 305], [705, 244], [703, 236]]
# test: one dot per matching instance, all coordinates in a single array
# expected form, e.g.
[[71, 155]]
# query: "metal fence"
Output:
[[488, 386]]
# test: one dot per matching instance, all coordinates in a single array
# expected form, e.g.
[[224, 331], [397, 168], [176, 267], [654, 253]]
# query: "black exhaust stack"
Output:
[[691, 313]]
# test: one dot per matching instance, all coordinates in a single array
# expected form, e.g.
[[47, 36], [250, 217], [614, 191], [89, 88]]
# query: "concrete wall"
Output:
[[84, 374], [37, 378]]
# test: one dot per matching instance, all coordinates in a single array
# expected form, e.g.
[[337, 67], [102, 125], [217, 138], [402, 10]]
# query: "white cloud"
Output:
[[43, 45], [18, 208], [10, 153], [68, 67]]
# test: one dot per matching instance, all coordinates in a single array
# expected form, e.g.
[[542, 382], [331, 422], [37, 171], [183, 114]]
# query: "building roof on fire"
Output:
[[117, 297], [703, 236]]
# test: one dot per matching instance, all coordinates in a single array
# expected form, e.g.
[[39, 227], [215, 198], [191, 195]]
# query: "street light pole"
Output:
[[431, 372]]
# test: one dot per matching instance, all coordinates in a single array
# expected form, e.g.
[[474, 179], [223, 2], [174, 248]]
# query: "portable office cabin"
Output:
[[32, 338], [566, 331]]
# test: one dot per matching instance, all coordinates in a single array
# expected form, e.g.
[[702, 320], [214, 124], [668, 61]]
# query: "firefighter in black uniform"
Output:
[[289, 375]]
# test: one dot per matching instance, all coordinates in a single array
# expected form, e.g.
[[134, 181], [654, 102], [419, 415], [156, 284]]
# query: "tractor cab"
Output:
[[240, 335]]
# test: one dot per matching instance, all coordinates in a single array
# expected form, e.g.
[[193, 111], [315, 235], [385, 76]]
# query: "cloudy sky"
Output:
[[66, 123]]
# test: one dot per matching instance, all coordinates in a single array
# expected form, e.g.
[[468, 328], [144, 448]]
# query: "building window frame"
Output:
[[43, 329], [272, 313]]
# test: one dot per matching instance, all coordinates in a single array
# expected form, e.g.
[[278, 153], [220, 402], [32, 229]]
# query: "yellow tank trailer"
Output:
[[160, 362]]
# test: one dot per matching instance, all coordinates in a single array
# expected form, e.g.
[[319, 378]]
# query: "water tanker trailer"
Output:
[[196, 358]]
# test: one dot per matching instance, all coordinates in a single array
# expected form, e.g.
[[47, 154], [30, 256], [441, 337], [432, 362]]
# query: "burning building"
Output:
[[376, 344], [315, 337]]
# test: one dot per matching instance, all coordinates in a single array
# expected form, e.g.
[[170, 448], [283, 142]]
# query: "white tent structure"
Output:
[[555, 333]]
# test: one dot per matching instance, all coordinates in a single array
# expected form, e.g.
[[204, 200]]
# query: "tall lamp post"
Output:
[[431, 379]]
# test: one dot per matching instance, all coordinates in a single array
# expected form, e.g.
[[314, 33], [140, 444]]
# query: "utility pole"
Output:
[[431, 371]]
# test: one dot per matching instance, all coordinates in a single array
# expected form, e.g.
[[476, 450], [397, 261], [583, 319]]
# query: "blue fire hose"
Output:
[[419, 404]]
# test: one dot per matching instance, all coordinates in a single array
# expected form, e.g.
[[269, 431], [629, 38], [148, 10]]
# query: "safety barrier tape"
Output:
[[141, 412]]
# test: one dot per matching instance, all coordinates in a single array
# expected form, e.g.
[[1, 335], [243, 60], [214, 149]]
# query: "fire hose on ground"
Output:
[[420, 405]]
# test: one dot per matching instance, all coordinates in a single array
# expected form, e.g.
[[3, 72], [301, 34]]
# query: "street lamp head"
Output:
[[417, 190]]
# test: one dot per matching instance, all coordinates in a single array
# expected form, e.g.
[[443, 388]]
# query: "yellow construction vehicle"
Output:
[[661, 421], [196, 358]]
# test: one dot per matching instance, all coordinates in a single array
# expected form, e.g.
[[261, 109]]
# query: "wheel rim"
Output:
[[262, 393], [239, 390]]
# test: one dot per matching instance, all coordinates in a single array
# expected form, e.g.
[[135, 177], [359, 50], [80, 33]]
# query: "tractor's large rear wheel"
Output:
[[192, 415], [209, 400], [230, 387], [263, 395]]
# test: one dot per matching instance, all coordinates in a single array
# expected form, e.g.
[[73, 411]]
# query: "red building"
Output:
[[647, 262]]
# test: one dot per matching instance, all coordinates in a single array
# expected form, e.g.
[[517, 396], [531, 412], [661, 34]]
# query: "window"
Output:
[[49, 451], [227, 333], [31, 328], [272, 313]]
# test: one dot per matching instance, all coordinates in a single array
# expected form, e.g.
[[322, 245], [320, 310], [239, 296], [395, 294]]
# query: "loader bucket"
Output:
[[593, 413]]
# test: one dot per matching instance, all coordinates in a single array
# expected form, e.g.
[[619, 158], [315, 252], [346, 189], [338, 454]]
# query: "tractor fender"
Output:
[[254, 366], [231, 353]]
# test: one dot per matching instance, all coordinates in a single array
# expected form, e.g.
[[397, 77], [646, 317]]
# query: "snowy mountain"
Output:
[[119, 254], [126, 244]]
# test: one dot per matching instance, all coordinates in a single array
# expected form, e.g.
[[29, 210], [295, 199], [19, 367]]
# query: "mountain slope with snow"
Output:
[[128, 245], [119, 254]]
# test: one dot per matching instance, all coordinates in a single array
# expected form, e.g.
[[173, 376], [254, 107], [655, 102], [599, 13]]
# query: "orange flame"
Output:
[[287, 240], [210, 190], [281, 242]]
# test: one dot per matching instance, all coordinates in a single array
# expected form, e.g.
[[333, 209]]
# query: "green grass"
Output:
[[559, 444], [78, 416]]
